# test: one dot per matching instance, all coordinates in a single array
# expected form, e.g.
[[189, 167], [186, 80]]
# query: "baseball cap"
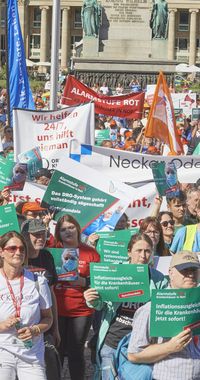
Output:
[[32, 206], [185, 259], [32, 226]]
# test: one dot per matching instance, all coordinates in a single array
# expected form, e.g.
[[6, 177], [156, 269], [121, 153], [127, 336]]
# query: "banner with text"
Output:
[[51, 131], [119, 283], [129, 105], [96, 203], [173, 310]]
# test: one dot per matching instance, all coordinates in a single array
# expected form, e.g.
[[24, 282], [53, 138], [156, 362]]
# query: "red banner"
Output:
[[129, 105]]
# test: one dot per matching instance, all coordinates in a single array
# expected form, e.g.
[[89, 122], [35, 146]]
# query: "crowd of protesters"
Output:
[[44, 320]]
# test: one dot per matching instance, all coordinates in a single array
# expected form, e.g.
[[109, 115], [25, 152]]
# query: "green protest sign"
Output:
[[173, 310], [112, 246], [100, 135], [8, 219], [197, 150], [6, 172], [70, 195], [195, 114], [118, 282], [66, 263], [165, 177], [178, 114]]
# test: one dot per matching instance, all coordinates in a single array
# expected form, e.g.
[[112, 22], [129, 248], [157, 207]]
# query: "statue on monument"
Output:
[[91, 17], [159, 19]]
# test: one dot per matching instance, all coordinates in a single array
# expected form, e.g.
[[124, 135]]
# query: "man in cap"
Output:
[[178, 357], [40, 261], [33, 210]]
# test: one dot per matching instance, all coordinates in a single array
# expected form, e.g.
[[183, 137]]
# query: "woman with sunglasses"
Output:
[[25, 313], [166, 220], [152, 227], [74, 316]]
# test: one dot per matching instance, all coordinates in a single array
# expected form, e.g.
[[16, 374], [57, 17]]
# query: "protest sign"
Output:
[[8, 219], [33, 159], [101, 135], [173, 310], [112, 246], [18, 178], [66, 263], [51, 131], [178, 112], [185, 101], [96, 203], [197, 150], [119, 283], [129, 105], [6, 171], [132, 167], [196, 114], [32, 192], [165, 177]]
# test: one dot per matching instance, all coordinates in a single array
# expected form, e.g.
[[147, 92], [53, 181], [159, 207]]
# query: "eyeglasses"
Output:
[[63, 229], [14, 248], [9, 130], [152, 232], [166, 222]]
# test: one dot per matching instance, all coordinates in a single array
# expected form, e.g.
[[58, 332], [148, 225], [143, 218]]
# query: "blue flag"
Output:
[[19, 89]]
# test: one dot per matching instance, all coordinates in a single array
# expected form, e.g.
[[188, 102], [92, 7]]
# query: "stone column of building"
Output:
[[23, 16], [65, 40], [193, 33], [171, 34], [43, 33]]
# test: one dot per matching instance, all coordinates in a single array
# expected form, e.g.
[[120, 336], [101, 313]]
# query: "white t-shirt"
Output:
[[34, 298]]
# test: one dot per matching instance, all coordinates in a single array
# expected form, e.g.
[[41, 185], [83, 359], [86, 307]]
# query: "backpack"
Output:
[[127, 370]]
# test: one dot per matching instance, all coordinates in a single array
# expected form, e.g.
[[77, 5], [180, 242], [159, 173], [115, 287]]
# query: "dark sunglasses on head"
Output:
[[166, 222]]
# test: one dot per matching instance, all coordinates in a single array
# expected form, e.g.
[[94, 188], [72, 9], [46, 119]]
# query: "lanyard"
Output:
[[16, 304]]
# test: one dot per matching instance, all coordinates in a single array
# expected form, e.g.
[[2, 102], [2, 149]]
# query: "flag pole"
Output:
[[7, 64], [55, 53]]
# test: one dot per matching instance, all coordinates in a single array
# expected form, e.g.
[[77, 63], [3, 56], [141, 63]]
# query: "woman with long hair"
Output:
[[25, 313], [152, 227], [167, 223], [74, 316]]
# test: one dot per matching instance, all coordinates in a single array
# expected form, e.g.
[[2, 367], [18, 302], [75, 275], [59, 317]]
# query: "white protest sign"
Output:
[[31, 192], [130, 167], [51, 131], [186, 101]]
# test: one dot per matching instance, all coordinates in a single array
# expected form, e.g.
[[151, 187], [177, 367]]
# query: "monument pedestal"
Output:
[[159, 49], [90, 47]]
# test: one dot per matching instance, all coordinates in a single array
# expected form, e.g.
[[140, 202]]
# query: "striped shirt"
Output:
[[183, 365]]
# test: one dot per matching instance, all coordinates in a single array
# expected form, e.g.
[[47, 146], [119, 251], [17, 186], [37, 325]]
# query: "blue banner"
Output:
[[19, 89]]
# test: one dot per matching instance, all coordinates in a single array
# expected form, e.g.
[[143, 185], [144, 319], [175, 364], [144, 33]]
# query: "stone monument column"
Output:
[[171, 34], [65, 40], [193, 32], [43, 33], [23, 16]]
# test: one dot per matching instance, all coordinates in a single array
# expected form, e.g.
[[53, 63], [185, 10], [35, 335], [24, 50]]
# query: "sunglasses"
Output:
[[14, 248], [166, 222]]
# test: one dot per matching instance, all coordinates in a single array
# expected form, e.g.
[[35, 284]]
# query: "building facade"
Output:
[[35, 16]]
